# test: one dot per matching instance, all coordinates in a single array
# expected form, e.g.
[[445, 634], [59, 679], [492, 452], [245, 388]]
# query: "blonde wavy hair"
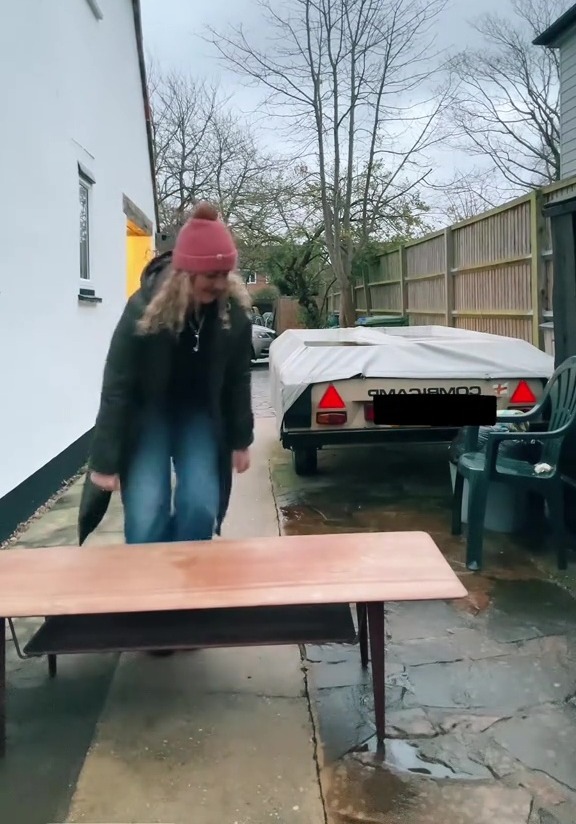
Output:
[[168, 308]]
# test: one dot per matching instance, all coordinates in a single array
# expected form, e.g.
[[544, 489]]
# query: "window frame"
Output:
[[86, 182]]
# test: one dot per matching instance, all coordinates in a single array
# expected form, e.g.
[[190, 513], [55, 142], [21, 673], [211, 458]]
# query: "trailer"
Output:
[[323, 381]]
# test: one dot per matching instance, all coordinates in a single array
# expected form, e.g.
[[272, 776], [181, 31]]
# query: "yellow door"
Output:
[[139, 251]]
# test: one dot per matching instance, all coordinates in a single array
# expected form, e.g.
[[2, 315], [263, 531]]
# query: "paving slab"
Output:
[[360, 790], [227, 748]]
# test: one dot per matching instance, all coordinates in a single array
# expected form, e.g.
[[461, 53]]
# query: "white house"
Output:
[[77, 218], [561, 35], [560, 207]]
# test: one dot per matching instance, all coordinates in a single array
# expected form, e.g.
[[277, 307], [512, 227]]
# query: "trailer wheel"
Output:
[[305, 461]]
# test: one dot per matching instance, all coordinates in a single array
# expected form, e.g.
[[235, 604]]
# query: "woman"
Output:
[[176, 390]]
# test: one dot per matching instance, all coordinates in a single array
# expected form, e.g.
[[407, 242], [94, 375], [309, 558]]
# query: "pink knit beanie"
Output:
[[204, 243]]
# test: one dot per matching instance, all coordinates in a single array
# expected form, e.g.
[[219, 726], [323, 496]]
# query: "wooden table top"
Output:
[[311, 569]]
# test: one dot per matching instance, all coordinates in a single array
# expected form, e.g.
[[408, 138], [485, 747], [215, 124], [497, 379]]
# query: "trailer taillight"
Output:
[[523, 395], [331, 399], [331, 418]]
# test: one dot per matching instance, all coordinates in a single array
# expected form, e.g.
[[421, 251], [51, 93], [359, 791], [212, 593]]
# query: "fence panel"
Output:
[[425, 278], [386, 284], [360, 299], [491, 273]]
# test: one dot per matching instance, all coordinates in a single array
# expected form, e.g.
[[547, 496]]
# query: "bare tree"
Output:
[[506, 108], [346, 73], [203, 151], [466, 194], [183, 113]]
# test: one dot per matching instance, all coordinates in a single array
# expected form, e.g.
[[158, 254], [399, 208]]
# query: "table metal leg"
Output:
[[377, 654], [363, 633], [52, 665], [2, 687]]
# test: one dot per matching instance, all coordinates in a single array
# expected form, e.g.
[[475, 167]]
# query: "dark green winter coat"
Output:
[[137, 372]]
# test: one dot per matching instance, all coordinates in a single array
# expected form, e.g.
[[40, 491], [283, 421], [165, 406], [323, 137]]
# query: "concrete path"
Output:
[[50, 722], [209, 737]]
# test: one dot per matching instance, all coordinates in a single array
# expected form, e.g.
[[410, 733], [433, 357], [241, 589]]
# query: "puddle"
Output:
[[403, 756]]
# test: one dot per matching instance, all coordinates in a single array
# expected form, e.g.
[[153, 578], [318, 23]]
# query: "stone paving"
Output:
[[480, 694]]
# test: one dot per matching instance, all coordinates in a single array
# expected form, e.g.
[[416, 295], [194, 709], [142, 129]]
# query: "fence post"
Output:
[[448, 275], [403, 292], [537, 231]]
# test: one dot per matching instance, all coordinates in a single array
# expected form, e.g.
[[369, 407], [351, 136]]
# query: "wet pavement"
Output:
[[481, 694], [260, 390]]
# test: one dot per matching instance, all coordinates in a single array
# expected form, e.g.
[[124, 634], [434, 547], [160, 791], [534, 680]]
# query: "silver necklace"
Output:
[[196, 330]]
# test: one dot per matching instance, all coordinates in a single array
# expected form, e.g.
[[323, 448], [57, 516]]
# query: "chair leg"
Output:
[[457, 504], [478, 496], [555, 501]]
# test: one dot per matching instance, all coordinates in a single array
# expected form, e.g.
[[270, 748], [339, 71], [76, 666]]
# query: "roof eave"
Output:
[[557, 30], [146, 100]]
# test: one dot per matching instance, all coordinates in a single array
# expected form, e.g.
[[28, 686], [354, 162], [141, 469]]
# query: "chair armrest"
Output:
[[527, 436], [525, 417], [495, 439]]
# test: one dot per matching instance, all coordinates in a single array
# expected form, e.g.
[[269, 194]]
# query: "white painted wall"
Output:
[[70, 92]]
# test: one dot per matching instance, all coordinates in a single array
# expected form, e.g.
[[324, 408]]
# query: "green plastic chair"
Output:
[[482, 468]]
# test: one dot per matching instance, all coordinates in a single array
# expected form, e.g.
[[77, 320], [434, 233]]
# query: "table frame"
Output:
[[370, 638]]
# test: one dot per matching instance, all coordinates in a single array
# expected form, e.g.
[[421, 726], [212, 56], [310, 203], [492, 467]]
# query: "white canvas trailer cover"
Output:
[[301, 357]]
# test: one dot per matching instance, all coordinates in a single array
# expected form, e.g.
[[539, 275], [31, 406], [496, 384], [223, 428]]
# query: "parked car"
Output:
[[257, 318], [323, 381], [261, 340]]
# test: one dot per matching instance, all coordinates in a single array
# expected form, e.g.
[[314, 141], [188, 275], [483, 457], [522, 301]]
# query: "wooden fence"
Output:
[[490, 273]]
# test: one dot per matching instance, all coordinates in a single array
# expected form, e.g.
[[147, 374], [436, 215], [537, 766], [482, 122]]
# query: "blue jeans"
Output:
[[189, 442]]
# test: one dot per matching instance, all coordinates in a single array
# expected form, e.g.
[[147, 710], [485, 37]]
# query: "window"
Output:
[[85, 190]]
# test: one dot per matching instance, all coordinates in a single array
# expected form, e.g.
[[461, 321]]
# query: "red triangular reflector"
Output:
[[523, 394], [331, 399]]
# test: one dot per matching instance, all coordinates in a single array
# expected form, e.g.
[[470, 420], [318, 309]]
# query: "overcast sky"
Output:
[[171, 29]]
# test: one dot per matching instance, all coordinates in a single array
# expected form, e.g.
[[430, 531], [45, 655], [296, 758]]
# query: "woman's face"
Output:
[[208, 287]]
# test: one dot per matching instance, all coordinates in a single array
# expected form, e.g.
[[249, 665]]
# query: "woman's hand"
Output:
[[107, 483], [241, 460]]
